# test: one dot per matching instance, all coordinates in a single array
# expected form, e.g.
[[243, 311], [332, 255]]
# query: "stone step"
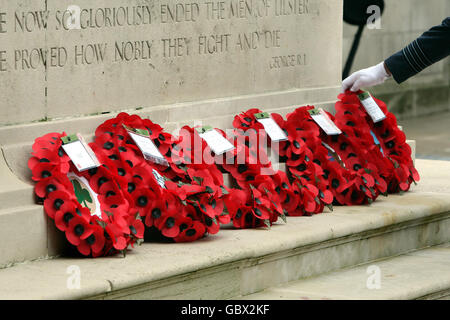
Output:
[[13, 192], [237, 263], [26, 234], [421, 274]]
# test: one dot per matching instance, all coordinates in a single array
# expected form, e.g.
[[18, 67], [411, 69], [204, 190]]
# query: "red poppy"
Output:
[[170, 224], [136, 226], [78, 229], [190, 233], [94, 243], [53, 183], [67, 212], [54, 202], [157, 208]]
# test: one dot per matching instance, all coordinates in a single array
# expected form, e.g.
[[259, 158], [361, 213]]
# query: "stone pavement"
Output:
[[432, 135]]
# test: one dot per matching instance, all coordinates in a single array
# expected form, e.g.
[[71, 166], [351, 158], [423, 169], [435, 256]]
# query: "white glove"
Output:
[[365, 78]]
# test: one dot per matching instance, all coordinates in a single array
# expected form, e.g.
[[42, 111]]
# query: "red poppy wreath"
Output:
[[89, 207], [252, 203], [306, 192], [178, 201], [258, 200], [396, 164], [357, 180]]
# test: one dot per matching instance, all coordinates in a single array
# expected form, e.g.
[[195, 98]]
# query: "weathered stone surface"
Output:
[[79, 58], [422, 274], [23, 93]]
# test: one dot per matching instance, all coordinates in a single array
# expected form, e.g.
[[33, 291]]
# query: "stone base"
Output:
[[421, 274], [237, 263]]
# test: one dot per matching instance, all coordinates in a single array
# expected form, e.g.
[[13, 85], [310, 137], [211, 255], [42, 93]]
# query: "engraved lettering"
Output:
[[2, 22], [176, 47], [2, 61]]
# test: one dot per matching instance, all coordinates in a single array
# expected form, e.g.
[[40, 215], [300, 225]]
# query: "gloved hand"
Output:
[[366, 78]]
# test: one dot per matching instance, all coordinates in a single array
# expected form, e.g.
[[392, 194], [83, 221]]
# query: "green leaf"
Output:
[[198, 180], [209, 189], [224, 191], [330, 206], [109, 214], [283, 217], [267, 223], [101, 224]]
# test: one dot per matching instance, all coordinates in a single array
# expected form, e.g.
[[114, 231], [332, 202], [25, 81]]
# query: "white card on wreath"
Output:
[[272, 128], [216, 141], [147, 147], [322, 119], [372, 108], [79, 152]]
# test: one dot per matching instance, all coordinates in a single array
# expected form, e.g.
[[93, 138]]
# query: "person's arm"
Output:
[[429, 48]]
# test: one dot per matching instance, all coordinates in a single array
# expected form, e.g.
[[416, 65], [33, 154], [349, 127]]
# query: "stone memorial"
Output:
[[69, 65]]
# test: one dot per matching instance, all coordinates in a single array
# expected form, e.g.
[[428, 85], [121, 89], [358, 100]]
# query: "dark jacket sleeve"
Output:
[[429, 48]]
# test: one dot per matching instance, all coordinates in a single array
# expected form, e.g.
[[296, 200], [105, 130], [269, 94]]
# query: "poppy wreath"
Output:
[[197, 164], [305, 190], [357, 180], [104, 232], [182, 207], [399, 170], [258, 200]]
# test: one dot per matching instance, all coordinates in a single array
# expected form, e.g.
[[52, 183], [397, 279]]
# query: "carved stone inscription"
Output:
[[108, 55]]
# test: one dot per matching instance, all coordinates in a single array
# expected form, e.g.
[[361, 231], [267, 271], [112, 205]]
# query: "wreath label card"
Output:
[[87, 197], [371, 107], [79, 152], [215, 140], [146, 145], [272, 128], [324, 122]]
